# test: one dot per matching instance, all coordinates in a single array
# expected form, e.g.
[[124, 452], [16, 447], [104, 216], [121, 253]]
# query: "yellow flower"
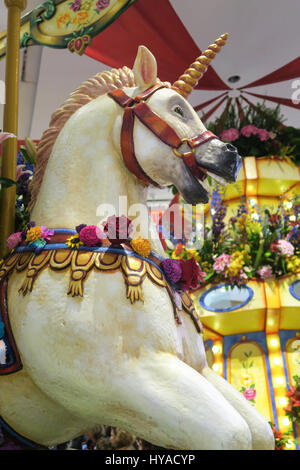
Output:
[[237, 262], [242, 221], [247, 379], [192, 253], [141, 246], [63, 19], [293, 264], [80, 17], [254, 227], [74, 242], [33, 234]]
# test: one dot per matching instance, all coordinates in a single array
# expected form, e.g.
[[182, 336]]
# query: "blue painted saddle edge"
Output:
[[23, 440], [97, 249]]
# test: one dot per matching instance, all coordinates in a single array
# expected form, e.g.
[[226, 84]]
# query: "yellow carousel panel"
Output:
[[292, 354], [230, 311], [247, 369], [275, 176], [290, 345], [289, 291]]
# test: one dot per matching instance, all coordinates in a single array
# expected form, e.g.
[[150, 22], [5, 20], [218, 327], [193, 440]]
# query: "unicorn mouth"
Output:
[[209, 180]]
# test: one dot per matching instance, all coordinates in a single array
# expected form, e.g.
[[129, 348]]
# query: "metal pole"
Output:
[[10, 121]]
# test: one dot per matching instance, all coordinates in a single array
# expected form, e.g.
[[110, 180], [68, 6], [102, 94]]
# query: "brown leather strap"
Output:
[[127, 147], [124, 100], [201, 139], [158, 126], [121, 98]]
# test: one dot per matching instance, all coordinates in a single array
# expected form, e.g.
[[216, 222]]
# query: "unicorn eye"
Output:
[[178, 110]]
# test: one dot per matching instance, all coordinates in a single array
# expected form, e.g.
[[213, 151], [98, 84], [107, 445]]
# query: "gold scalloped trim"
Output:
[[80, 263]]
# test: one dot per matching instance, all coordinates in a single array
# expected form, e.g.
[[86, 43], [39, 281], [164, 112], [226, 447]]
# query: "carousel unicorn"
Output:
[[83, 347]]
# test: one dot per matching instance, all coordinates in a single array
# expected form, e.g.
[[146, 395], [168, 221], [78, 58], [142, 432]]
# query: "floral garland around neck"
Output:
[[182, 274]]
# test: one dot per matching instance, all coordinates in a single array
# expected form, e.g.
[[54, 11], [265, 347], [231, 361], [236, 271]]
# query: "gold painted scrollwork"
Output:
[[35, 265], [156, 275], [134, 270], [8, 265], [82, 262], [108, 261]]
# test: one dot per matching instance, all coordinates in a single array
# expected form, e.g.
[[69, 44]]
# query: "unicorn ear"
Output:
[[145, 68]]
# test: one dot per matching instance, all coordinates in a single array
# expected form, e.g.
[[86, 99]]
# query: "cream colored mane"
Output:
[[90, 89]]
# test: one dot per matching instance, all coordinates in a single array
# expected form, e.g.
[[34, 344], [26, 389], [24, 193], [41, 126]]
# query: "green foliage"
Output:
[[285, 140]]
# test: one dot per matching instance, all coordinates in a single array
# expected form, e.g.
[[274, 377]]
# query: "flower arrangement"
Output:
[[258, 131], [293, 408], [281, 439], [252, 245], [34, 236]]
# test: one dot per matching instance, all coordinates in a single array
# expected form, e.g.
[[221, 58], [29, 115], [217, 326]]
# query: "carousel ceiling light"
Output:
[[234, 78]]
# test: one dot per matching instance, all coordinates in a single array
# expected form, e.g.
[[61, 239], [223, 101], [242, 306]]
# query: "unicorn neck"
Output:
[[86, 181]]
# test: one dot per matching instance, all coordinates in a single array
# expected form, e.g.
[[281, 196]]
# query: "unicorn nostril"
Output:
[[230, 148]]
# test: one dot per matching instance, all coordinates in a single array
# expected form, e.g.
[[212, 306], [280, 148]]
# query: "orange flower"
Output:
[[33, 234], [80, 17], [63, 19], [291, 392], [179, 249]]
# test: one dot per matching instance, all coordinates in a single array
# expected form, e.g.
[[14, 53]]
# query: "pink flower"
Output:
[[249, 393], [249, 130], [101, 4], [13, 240], [265, 271], [222, 262], [91, 235], [75, 6], [285, 247], [229, 134], [263, 134], [46, 233]]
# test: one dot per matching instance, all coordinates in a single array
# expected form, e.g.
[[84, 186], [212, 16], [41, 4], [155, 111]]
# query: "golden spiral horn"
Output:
[[186, 82]]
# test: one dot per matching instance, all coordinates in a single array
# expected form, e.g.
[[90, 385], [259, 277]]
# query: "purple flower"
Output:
[[31, 224], [80, 227], [172, 269], [101, 4], [76, 5]]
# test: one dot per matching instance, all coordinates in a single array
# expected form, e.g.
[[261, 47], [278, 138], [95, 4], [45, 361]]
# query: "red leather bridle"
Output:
[[138, 107]]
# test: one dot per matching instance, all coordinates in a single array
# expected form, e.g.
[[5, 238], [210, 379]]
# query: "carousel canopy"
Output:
[[260, 60]]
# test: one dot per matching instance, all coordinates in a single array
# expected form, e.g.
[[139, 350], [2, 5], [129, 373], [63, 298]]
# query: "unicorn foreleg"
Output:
[[262, 435], [170, 404]]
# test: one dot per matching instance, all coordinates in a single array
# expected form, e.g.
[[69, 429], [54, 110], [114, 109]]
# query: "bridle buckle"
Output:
[[185, 154]]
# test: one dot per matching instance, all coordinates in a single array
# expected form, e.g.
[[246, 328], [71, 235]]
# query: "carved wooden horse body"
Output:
[[99, 358]]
